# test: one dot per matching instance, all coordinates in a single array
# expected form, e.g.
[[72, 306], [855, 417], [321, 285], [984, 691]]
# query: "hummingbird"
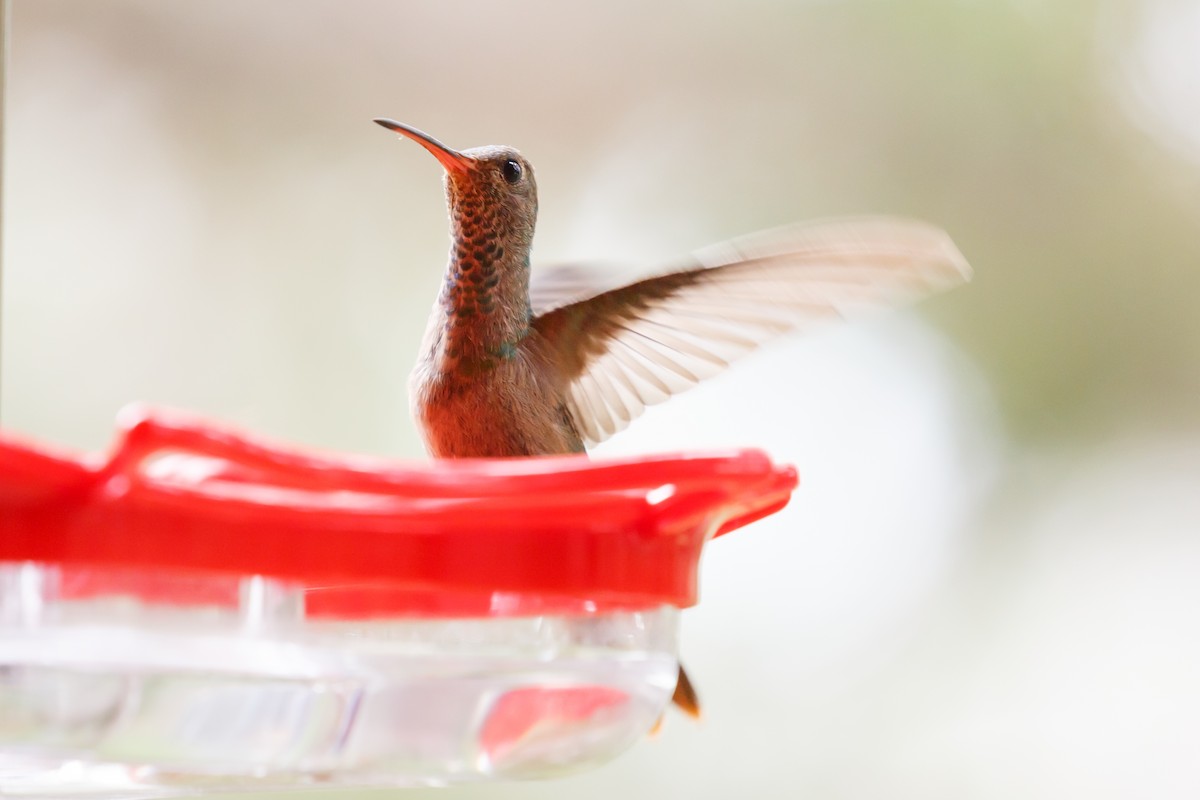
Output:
[[517, 363]]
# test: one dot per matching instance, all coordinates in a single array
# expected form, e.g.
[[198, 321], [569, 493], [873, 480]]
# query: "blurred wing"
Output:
[[563, 284], [637, 345]]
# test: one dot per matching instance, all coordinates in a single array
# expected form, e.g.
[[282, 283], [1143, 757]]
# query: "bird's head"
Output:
[[490, 192]]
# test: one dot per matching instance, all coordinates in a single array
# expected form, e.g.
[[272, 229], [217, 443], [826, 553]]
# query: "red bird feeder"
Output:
[[204, 609]]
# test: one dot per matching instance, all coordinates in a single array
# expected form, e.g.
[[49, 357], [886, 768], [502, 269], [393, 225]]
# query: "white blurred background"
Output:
[[988, 583]]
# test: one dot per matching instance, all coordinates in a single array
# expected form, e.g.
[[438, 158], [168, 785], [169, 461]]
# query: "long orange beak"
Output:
[[452, 160]]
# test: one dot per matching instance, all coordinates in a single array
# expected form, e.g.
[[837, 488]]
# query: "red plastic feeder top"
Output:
[[368, 537]]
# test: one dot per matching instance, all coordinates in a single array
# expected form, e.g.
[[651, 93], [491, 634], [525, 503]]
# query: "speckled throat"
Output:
[[485, 295]]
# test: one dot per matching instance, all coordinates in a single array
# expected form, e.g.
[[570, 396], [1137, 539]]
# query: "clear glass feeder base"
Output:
[[223, 683]]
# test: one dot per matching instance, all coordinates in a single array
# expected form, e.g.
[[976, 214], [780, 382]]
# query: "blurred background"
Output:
[[987, 585]]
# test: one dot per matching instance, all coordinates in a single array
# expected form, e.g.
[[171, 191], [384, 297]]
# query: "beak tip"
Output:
[[452, 160]]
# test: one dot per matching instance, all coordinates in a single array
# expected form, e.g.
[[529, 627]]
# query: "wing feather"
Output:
[[629, 347]]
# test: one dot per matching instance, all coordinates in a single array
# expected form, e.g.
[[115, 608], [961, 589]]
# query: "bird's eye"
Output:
[[511, 170]]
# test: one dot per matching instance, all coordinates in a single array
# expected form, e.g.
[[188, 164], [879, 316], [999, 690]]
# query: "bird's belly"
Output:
[[494, 417]]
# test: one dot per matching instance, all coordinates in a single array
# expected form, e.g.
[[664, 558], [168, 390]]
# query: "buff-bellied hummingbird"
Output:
[[516, 363]]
